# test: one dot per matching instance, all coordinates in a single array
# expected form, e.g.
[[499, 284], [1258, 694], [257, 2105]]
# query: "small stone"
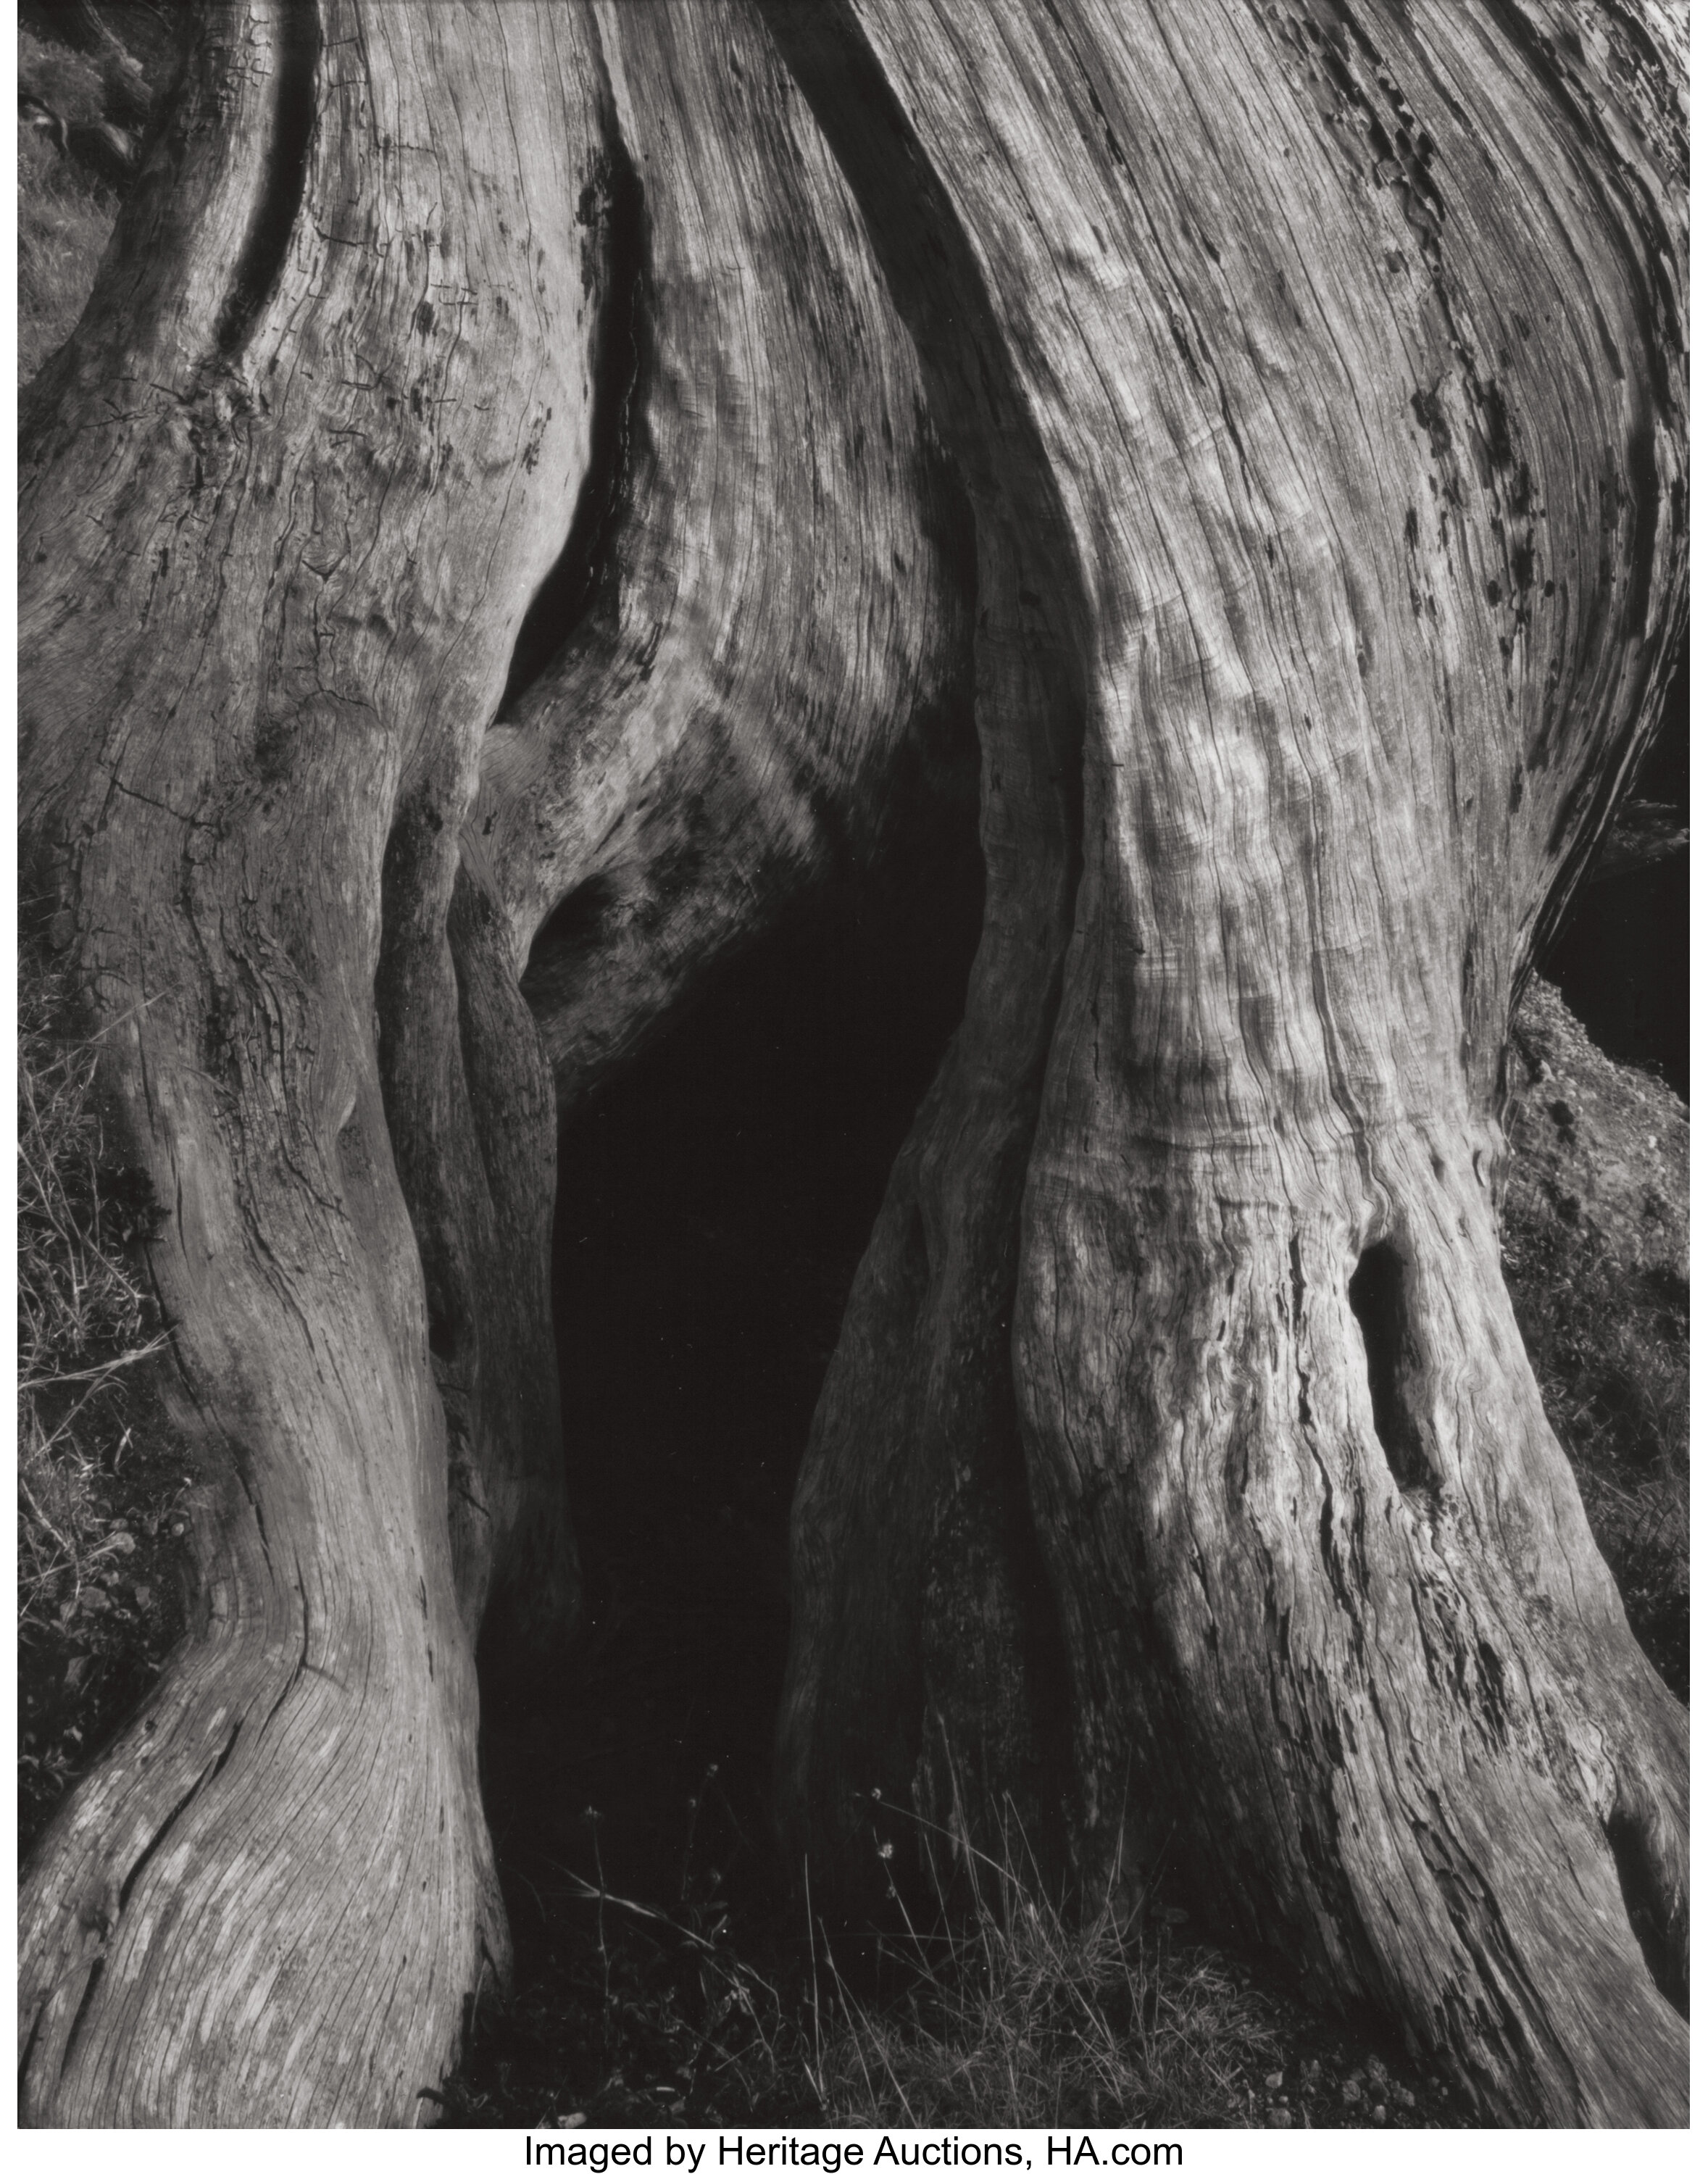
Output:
[[1351, 2091], [1379, 2113], [1274, 2083], [1279, 2118]]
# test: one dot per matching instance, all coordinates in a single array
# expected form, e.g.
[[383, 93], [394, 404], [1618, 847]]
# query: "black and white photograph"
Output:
[[852, 1020]]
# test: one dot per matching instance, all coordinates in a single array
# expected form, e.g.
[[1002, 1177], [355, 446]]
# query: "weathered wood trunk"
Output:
[[1267, 420], [286, 496], [1317, 372], [762, 685]]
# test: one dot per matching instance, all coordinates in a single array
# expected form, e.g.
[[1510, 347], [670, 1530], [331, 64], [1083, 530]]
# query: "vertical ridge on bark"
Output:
[[1382, 554], [1267, 419], [269, 598], [763, 692], [921, 1655]]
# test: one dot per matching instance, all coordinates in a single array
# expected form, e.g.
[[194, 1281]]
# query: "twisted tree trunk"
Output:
[[287, 494], [1336, 414], [1266, 420]]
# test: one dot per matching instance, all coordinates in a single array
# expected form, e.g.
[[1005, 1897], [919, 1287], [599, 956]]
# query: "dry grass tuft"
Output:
[[80, 1320], [1021, 2015], [1010, 2013], [98, 1530], [74, 1295], [1026, 2016]]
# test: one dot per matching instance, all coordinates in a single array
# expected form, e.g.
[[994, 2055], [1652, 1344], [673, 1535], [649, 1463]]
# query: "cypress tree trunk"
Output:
[[1267, 421], [286, 495], [1321, 367], [760, 688]]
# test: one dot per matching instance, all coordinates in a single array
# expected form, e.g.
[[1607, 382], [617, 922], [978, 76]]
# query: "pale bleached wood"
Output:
[[1348, 343], [765, 690], [278, 532], [1310, 378]]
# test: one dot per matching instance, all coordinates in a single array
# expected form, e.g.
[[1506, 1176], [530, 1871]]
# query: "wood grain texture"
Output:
[[1347, 340], [285, 496], [1267, 415], [765, 676]]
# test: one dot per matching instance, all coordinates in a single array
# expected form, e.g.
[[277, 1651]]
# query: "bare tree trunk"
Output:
[[287, 494], [1267, 420], [760, 688], [1322, 367]]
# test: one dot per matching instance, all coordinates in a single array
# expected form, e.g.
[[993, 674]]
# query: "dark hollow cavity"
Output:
[[1377, 1296], [612, 213], [1646, 1909], [713, 1205], [275, 213], [1622, 958]]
